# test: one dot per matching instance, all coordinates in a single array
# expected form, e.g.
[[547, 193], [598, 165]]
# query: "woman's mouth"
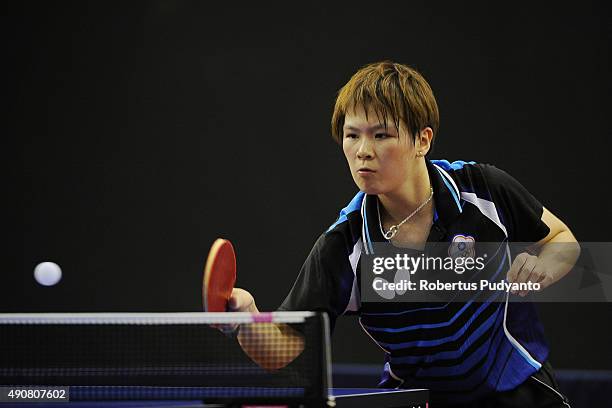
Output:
[[364, 171]]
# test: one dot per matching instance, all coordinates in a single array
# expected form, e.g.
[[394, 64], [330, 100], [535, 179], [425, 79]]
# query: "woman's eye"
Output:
[[351, 136], [381, 135]]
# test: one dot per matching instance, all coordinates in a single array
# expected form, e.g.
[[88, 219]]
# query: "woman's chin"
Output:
[[370, 190], [368, 186]]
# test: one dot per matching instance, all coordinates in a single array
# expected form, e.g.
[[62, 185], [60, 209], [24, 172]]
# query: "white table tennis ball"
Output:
[[47, 273]]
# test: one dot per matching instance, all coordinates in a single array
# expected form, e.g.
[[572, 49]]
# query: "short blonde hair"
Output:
[[392, 89]]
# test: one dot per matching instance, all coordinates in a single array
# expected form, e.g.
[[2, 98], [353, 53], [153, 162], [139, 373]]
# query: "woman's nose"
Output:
[[365, 150]]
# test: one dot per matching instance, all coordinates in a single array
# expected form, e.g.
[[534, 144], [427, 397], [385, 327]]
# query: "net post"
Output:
[[326, 365]]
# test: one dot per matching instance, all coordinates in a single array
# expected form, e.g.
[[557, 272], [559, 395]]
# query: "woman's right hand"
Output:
[[241, 301]]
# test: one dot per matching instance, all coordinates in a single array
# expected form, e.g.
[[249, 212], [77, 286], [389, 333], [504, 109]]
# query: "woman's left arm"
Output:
[[555, 255]]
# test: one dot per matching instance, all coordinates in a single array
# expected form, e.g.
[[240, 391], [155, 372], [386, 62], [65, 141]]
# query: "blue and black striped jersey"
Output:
[[459, 350]]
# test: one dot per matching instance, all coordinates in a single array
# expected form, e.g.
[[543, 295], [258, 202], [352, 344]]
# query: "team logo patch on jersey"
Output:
[[462, 246]]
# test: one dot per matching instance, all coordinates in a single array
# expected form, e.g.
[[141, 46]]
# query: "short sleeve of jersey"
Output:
[[520, 211], [325, 280]]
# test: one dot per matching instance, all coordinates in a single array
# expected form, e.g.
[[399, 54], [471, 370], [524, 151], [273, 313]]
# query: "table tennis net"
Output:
[[175, 352]]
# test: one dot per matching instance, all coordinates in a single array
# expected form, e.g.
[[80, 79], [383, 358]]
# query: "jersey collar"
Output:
[[447, 207]]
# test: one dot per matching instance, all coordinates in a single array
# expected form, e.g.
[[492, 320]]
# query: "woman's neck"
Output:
[[412, 193]]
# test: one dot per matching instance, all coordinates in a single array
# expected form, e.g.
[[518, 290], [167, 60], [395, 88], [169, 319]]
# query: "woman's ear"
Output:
[[422, 142]]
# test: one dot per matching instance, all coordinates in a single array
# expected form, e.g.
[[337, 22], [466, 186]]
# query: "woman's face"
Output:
[[381, 159]]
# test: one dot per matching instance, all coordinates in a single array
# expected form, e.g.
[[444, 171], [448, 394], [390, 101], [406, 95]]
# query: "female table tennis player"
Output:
[[490, 355]]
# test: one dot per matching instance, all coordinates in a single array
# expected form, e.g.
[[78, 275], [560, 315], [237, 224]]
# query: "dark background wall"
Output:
[[146, 130]]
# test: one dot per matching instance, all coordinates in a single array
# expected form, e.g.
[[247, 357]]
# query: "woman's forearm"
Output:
[[558, 256], [272, 346]]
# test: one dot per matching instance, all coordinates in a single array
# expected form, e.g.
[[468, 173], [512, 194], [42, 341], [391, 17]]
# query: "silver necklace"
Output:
[[394, 228]]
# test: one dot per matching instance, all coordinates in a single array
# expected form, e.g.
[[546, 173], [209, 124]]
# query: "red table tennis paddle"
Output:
[[219, 276]]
